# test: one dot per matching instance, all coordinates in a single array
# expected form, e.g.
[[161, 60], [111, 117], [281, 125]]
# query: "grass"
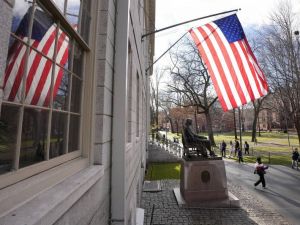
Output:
[[161, 171], [273, 147], [267, 138]]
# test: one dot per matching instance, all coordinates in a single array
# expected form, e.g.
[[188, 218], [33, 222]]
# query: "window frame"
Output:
[[17, 174]]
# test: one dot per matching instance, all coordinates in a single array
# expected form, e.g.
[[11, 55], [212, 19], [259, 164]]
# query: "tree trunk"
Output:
[[172, 125], [177, 127], [297, 126], [254, 124], [209, 129], [196, 122]]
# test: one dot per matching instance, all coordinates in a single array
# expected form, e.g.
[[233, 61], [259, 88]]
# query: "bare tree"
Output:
[[190, 84], [155, 93], [280, 55]]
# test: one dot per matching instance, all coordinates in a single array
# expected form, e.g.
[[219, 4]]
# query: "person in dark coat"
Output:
[[223, 148], [246, 147], [236, 147], [295, 158], [240, 155], [260, 170]]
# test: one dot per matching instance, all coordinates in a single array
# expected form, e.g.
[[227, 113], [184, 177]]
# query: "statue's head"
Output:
[[188, 122]]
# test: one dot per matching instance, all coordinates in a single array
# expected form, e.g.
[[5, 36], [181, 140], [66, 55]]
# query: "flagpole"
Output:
[[166, 51], [189, 21]]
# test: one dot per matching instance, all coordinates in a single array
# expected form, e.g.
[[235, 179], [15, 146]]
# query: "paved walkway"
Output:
[[161, 207]]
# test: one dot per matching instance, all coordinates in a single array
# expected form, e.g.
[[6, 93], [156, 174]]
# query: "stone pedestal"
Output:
[[203, 183]]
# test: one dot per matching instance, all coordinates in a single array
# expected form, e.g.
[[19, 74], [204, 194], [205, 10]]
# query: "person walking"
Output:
[[231, 149], [246, 147], [260, 170], [237, 146], [223, 148], [295, 158], [240, 155]]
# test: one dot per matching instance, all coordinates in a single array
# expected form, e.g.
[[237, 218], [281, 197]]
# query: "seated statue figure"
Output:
[[202, 143]]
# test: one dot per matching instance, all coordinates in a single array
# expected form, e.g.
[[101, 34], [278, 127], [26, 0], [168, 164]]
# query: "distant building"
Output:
[[74, 110]]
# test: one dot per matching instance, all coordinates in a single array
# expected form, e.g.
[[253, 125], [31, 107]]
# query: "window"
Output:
[[77, 12], [42, 86]]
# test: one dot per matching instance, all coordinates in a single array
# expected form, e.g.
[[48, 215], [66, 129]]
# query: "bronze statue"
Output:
[[194, 141]]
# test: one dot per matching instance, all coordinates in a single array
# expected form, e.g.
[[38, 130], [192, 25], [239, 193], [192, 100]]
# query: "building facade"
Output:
[[74, 110]]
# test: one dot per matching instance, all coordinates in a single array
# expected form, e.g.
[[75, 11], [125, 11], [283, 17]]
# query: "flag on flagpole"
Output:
[[231, 64], [39, 68]]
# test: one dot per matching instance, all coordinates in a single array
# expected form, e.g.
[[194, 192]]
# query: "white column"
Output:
[[118, 194]]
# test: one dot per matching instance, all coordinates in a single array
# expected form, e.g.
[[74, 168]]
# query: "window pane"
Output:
[[34, 136], [58, 134], [73, 8], [61, 90], [63, 48], [14, 71], [84, 28], [8, 134], [70, 9], [38, 82], [21, 18], [60, 4], [78, 61], [74, 133], [43, 30], [76, 95]]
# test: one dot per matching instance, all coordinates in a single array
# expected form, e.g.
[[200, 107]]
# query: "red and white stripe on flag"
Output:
[[39, 69], [233, 68]]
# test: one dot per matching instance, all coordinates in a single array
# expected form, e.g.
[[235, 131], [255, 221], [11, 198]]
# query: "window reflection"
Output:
[[63, 49], [58, 134], [78, 61], [74, 133], [84, 28], [38, 67], [20, 11], [15, 67], [34, 136], [8, 134], [70, 9], [61, 90], [76, 94]]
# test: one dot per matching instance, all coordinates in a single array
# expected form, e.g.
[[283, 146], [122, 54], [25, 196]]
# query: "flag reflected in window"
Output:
[[35, 63]]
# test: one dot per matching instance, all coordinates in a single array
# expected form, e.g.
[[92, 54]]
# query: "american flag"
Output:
[[232, 66], [39, 68]]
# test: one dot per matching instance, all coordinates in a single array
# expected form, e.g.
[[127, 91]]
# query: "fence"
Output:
[[166, 144]]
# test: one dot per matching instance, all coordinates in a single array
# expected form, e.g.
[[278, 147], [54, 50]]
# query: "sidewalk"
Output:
[[161, 207]]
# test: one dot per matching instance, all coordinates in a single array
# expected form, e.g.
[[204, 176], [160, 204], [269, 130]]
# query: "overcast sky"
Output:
[[169, 12]]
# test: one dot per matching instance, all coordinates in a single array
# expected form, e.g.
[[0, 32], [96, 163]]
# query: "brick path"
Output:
[[161, 207]]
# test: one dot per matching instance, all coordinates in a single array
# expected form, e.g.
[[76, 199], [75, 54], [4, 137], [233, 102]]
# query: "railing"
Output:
[[172, 147]]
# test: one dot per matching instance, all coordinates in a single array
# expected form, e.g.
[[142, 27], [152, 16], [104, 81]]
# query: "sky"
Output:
[[169, 12]]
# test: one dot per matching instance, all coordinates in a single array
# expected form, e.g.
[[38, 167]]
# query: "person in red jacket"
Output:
[[260, 170]]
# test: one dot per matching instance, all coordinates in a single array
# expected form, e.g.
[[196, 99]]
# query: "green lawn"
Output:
[[277, 140], [161, 171], [273, 147]]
